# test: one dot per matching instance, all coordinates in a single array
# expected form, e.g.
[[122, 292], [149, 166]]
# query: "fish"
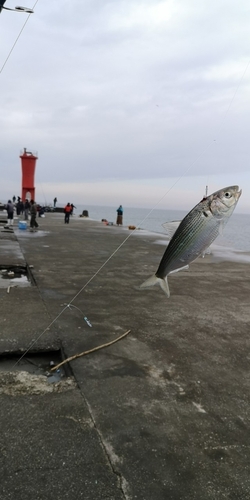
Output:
[[196, 232]]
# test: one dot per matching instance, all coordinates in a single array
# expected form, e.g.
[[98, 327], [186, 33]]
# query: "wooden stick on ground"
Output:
[[84, 353]]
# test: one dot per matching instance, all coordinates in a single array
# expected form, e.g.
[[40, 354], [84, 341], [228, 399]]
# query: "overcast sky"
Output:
[[126, 101]]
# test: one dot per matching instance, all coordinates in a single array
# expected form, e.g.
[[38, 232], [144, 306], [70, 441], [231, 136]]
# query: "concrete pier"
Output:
[[163, 414]]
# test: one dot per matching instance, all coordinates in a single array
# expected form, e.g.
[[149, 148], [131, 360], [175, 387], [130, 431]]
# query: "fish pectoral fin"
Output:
[[221, 228], [153, 280]]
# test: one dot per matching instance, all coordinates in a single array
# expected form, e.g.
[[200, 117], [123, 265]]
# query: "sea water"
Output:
[[236, 234]]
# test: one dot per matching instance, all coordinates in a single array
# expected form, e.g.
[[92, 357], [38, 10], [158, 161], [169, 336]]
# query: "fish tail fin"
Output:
[[153, 280]]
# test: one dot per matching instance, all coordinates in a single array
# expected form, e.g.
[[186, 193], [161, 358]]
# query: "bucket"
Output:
[[22, 224]]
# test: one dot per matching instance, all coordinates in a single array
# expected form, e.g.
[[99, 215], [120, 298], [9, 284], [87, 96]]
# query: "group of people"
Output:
[[25, 208], [68, 211], [19, 205], [30, 207]]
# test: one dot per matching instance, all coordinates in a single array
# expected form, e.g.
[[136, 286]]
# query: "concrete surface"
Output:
[[161, 415]]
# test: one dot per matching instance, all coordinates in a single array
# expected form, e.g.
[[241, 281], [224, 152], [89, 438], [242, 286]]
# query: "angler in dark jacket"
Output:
[[10, 212], [33, 212], [119, 216], [26, 209]]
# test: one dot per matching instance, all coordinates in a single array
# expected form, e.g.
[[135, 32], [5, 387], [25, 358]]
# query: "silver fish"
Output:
[[195, 233]]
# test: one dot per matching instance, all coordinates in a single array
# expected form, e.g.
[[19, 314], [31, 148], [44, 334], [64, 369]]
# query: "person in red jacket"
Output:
[[67, 211]]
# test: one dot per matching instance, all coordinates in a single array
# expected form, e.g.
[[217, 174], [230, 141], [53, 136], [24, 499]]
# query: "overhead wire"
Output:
[[18, 36]]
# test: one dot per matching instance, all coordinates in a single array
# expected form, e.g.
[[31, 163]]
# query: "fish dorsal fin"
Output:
[[171, 227]]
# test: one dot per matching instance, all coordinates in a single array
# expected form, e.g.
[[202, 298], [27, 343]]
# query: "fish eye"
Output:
[[227, 194]]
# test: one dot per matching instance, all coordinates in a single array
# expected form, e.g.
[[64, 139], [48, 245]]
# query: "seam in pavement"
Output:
[[121, 480]]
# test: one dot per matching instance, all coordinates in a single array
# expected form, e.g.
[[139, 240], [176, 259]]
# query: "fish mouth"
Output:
[[227, 201], [238, 194]]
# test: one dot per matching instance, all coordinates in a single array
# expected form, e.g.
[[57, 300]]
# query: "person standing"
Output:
[[26, 209], [18, 207], [67, 211], [72, 208], [33, 212], [21, 207], [119, 215], [10, 213], [55, 202]]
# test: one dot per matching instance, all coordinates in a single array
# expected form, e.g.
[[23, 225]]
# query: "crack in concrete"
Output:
[[112, 458]]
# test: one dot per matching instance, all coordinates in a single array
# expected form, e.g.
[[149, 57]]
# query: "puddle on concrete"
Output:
[[32, 374], [30, 234], [14, 276]]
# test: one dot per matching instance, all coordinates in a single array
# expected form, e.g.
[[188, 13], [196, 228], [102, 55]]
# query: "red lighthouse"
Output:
[[28, 174]]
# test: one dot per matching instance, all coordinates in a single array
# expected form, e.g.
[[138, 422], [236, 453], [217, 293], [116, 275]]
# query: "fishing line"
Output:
[[230, 104], [137, 227], [84, 317], [72, 300], [41, 186], [13, 46]]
